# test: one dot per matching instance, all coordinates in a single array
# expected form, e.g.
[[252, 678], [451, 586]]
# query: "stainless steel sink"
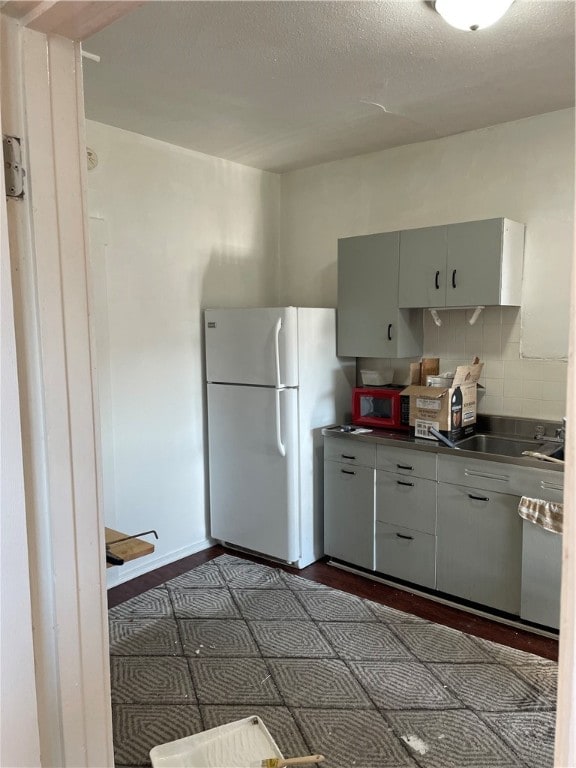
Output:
[[500, 446], [554, 450]]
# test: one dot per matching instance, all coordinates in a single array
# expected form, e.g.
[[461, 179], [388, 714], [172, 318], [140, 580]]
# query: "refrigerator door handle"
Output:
[[279, 444], [277, 351]]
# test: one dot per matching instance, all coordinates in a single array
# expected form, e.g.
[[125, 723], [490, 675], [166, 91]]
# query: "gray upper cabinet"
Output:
[[370, 324], [461, 265], [423, 267]]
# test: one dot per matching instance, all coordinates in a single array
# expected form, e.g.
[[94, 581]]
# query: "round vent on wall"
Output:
[[92, 158]]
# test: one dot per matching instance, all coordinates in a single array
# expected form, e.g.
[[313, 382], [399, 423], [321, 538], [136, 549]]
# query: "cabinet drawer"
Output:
[[501, 477], [406, 461], [349, 451], [406, 554], [406, 501]]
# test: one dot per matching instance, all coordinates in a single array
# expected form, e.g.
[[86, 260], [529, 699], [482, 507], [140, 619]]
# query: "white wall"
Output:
[[523, 170], [184, 231]]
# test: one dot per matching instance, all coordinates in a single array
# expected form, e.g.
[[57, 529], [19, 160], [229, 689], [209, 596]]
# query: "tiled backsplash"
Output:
[[513, 386]]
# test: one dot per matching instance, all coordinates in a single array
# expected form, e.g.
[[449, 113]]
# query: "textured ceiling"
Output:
[[283, 85]]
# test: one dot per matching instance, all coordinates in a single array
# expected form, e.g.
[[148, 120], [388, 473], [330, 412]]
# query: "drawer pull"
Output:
[[402, 482], [347, 472], [345, 456], [546, 486], [402, 536], [478, 498], [487, 475], [405, 466]]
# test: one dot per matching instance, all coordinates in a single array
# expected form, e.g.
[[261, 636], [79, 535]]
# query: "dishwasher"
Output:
[[541, 575]]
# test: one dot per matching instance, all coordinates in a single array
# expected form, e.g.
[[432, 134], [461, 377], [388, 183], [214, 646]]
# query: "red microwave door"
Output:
[[376, 409]]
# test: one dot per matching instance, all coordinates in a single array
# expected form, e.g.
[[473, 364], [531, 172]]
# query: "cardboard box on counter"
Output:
[[450, 410]]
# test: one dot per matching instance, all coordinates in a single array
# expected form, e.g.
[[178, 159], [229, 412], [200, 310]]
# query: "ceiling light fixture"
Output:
[[472, 15]]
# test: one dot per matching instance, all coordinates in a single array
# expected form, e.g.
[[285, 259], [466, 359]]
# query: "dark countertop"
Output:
[[404, 440]]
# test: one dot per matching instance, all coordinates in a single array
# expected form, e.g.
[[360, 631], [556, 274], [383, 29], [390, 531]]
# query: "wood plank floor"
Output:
[[362, 587]]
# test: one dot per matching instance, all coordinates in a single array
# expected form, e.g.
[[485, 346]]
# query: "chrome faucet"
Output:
[[561, 431]]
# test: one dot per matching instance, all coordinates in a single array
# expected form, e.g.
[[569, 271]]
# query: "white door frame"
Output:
[[20, 741], [48, 231]]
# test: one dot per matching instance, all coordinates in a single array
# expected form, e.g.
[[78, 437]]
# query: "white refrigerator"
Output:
[[273, 380]]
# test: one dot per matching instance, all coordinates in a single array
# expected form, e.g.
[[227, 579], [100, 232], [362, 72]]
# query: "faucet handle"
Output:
[[561, 431]]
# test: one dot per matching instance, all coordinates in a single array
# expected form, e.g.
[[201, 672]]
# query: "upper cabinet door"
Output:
[[485, 262], [423, 267], [369, 321], [474, 263], [368, 295]]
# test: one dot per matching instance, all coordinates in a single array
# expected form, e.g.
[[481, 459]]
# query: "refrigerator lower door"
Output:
[[253, 454], [252, 346]]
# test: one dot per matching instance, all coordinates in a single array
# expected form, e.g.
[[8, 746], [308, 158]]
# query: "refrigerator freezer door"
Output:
[[252, 346], [253, 487]]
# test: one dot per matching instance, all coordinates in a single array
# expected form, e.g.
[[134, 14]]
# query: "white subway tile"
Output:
[[512, 406], [492, 316], [494, 369], [554, 390], [458, 318], [494, 387], [532, 370], [532, 409], [490, 404], [531, 389], [491, 343], [554, 370], [553, 410], [512, 388], [510, 333], [512, 369], [511, 351], [511, 316]]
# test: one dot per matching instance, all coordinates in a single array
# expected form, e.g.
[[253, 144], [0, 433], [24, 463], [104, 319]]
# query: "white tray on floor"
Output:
[[240, 744]]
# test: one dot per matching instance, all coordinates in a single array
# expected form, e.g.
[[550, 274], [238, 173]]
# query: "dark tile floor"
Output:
[[366, 683]]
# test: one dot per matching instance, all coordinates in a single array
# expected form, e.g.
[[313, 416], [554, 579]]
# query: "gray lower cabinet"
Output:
[[444, 522], [349, 513], [479, 550]]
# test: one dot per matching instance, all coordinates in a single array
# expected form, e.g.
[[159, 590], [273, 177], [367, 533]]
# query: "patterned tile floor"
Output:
[[367, 685]]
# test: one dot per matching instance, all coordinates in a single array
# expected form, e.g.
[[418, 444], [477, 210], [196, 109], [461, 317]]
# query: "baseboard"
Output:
[[136, 568]]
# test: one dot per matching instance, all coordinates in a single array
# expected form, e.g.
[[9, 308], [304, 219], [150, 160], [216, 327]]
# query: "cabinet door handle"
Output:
[[345, 456], [478, 498], [437, 280], [390, 332], [402, 536], [401, 482], [347, 472], [405, 466], [453, 278]]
